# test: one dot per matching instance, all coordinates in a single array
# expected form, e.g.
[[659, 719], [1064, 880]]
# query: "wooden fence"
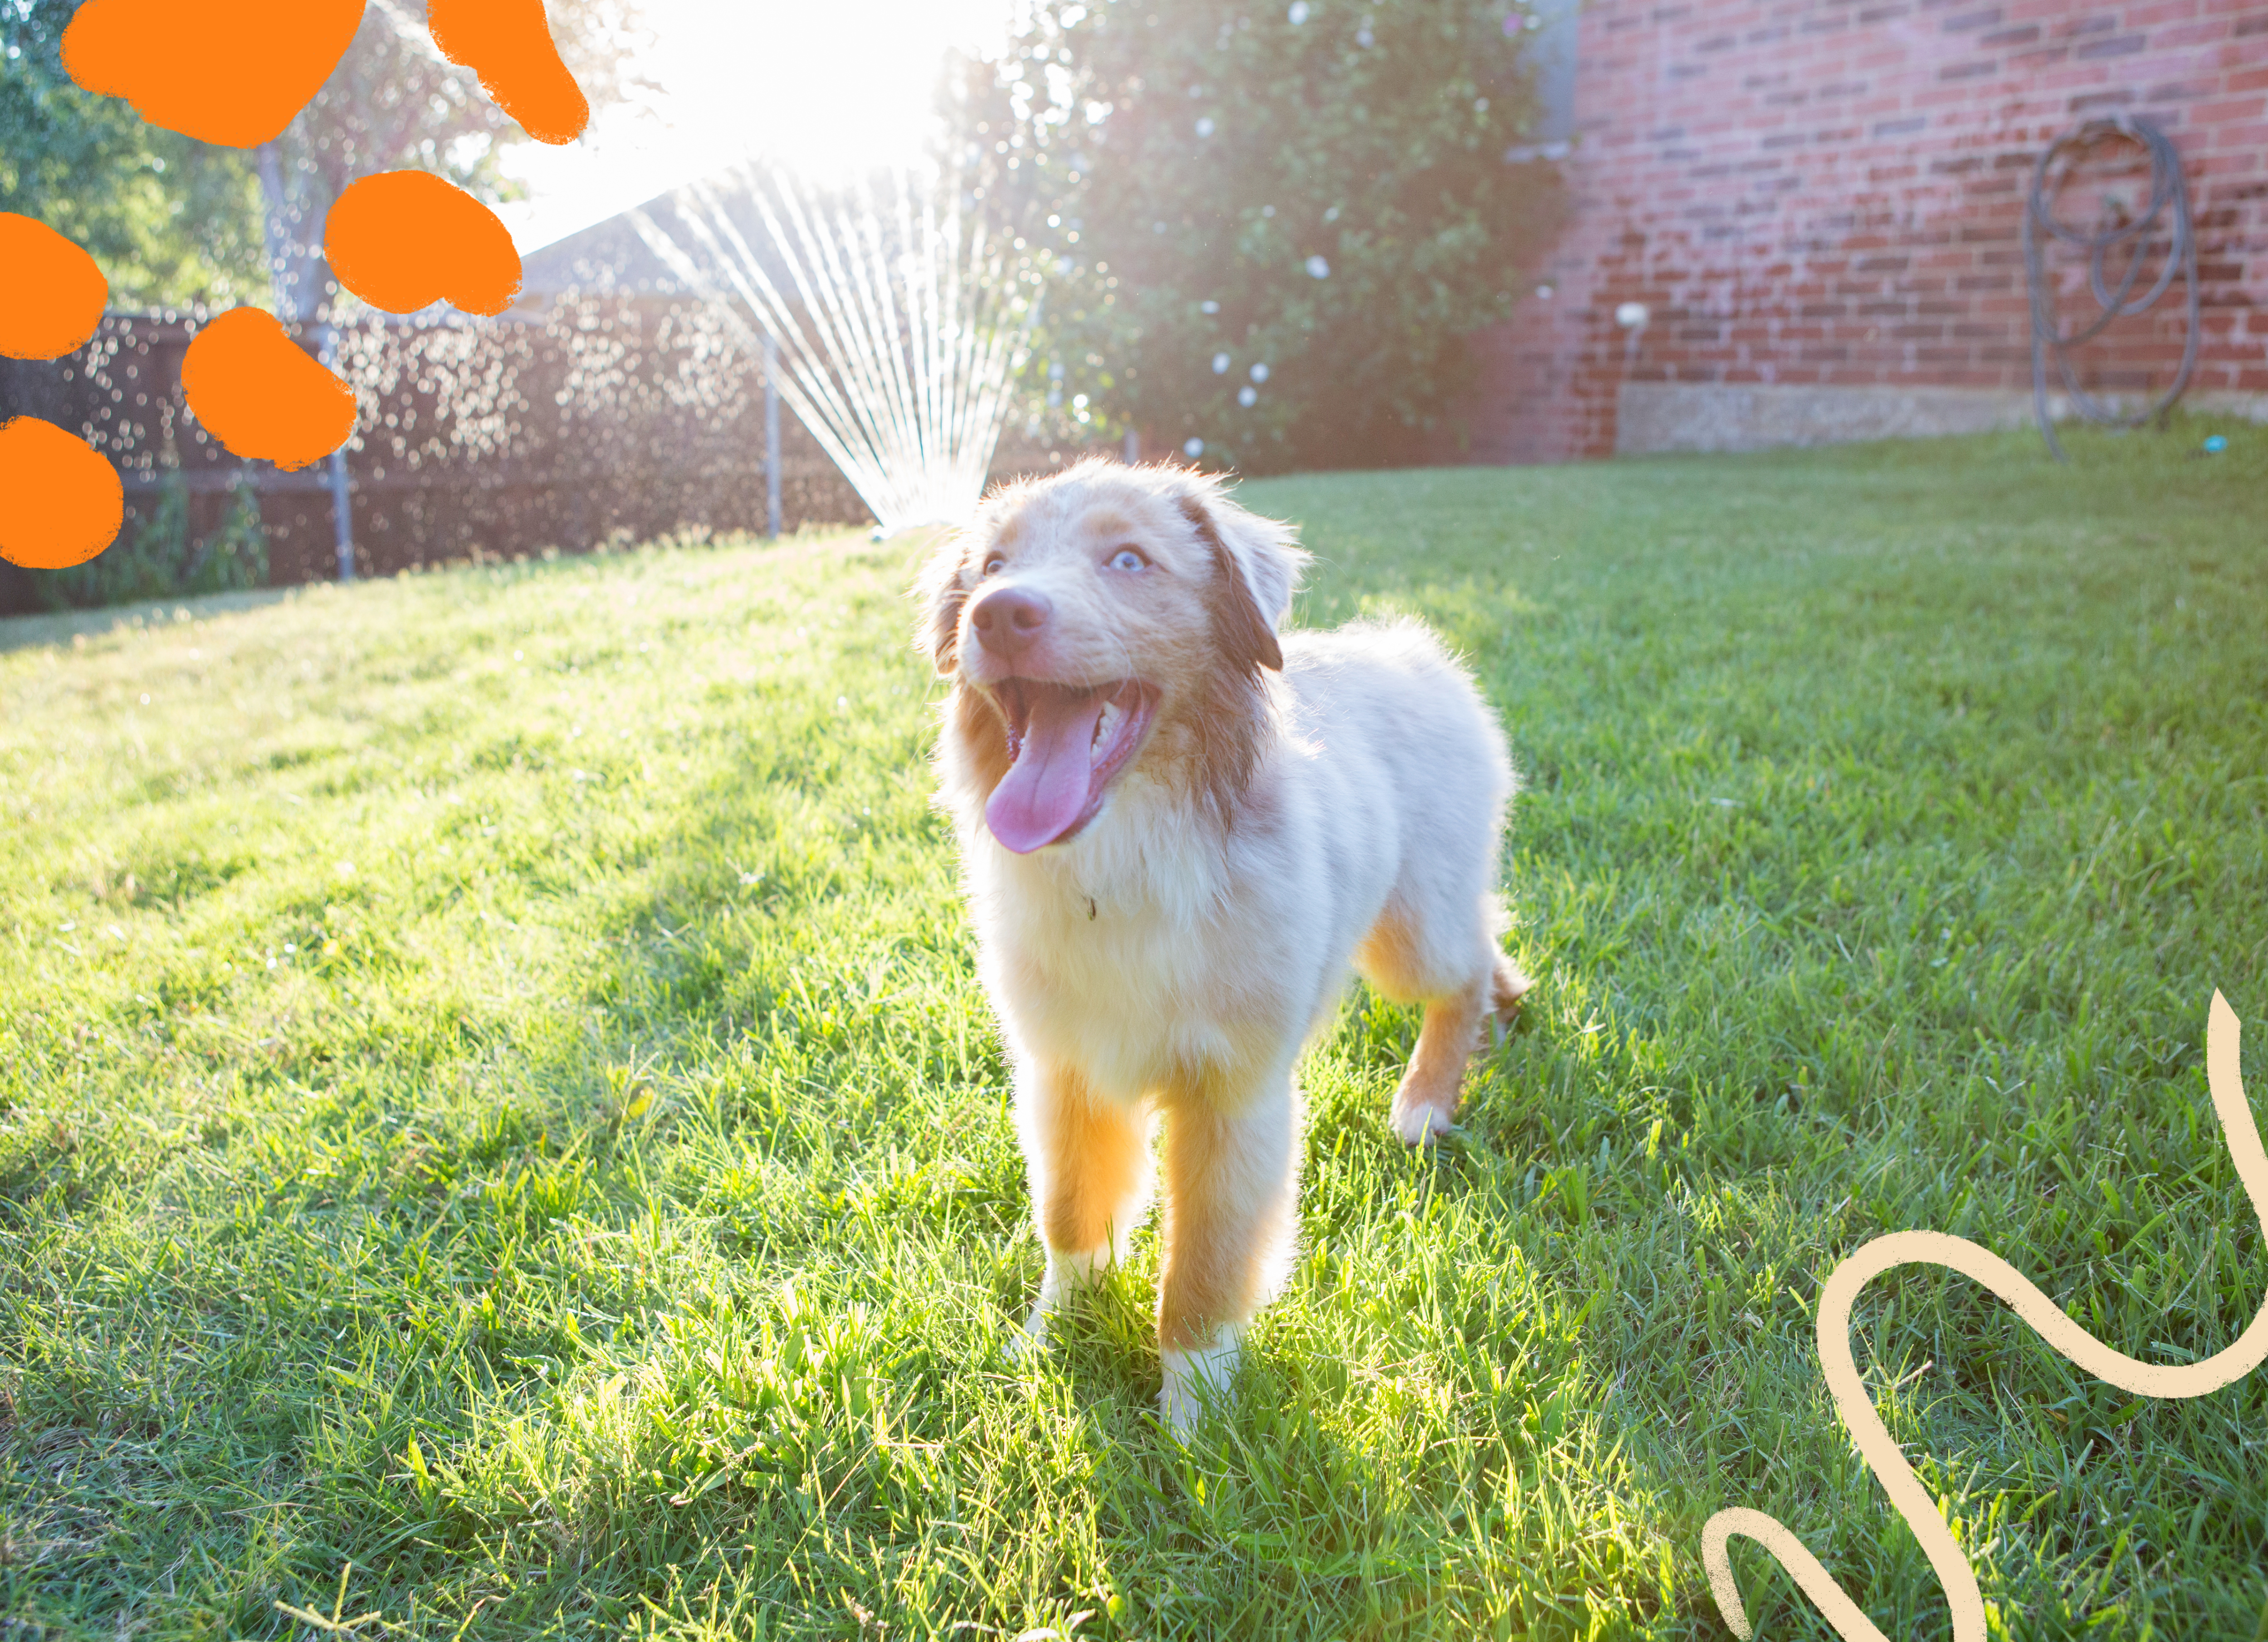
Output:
[[596, 418]]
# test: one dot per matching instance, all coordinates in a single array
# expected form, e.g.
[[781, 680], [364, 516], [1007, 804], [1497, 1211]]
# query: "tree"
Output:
[[171, 221], [396, 102], [175, 221], [1268, 228]]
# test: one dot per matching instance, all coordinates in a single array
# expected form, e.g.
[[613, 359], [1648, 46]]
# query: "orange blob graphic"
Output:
[[226, 71], [60, 502], [261, 394], [401, 240], [508, 44], [51, 292]]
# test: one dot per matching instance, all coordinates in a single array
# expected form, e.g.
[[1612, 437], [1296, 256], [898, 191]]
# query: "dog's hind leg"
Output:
[[1506, 987], [1088, 1160], [1448, 961], [1230, 1203], [1426, 1104]]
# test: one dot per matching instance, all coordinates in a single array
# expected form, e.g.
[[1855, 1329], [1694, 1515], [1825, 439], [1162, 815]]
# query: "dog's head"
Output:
[[1101, 619]]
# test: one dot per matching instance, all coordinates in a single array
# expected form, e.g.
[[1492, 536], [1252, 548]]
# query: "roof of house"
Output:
[[607, 257], [612, 257]]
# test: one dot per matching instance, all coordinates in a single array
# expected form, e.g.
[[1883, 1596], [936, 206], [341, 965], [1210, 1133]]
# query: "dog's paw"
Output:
[[1197, 1379], [1418, 1124], [1178, 1409], [1508, 986], [1029, 1342], [1067, 1275]]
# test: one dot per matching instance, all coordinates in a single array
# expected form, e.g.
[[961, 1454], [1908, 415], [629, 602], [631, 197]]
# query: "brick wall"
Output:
[[1827, 194]]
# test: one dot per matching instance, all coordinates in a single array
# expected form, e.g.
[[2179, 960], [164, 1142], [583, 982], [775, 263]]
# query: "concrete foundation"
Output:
[[1665, 416]]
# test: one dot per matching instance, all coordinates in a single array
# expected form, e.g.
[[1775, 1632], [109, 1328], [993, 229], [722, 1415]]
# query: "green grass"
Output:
[[498, 1128]]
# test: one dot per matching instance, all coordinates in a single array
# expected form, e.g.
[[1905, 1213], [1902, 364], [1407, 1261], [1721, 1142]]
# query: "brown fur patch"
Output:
[[1093, 1154], [1436, 1075], [942, 595], [1209, 734], [1220, 736], [1389, 956], [1218, 1226], [1247, 638], [1508, 986], [975, 719]]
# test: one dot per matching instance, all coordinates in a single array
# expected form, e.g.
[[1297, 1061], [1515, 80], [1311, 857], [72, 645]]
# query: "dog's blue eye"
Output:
[[1129, 558]]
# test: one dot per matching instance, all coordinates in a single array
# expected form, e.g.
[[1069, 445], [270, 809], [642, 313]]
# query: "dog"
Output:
[[1179, 827]]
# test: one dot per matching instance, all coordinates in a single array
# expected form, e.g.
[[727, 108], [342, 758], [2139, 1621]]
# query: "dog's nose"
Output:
[[1008, 619]]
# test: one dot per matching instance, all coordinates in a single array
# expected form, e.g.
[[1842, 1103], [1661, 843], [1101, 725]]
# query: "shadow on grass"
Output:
[[64, 627]]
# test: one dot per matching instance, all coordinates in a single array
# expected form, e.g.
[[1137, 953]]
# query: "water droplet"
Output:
[[1318, 268], [1219, 368], [1193, 449]]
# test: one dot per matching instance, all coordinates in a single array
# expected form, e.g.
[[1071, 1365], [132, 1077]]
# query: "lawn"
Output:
[[499, 1132]]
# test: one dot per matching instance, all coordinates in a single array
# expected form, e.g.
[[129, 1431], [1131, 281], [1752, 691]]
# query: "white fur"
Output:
[[1194, 1377], [1387, 772], [1168, 962]]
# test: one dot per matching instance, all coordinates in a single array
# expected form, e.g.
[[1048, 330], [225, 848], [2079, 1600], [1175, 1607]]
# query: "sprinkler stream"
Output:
[[898, 323]]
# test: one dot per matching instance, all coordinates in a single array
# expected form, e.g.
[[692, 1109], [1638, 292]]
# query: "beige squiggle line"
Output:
[[1881, 1454]]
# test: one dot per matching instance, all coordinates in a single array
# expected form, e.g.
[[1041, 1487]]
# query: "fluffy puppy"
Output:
[[1179, 828]]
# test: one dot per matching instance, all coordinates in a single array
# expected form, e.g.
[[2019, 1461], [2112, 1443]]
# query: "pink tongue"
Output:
[[1045, 789]]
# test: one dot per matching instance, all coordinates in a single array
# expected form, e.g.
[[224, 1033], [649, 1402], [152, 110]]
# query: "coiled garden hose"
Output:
[[2168, 192]]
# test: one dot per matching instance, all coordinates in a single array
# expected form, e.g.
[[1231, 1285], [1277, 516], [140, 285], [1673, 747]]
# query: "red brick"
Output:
[[1789, 220]]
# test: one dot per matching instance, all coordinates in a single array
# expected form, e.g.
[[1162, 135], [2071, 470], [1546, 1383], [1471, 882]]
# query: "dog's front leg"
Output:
[[1088, 1160], [1232, 1188]]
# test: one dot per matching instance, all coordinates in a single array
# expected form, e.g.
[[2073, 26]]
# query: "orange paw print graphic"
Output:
[[60, 502], [235, 73]]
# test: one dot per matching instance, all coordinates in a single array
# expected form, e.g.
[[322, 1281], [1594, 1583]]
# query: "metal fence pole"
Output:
[[342, 501]]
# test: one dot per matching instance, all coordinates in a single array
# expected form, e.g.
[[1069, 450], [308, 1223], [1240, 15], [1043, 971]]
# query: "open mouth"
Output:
[[1066, 745]]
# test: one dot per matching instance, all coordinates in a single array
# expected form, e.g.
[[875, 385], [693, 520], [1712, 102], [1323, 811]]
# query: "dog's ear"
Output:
[[939, 593], [1256, 565]]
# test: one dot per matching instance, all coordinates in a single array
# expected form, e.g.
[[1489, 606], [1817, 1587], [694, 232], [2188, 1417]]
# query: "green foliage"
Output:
[[174, 222], [500, 1129], [1183, 170], [159, 560], [395, 102], [235, 556], [170, 221]]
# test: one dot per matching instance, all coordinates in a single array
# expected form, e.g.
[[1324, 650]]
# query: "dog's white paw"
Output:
[[1031, 1340], [1066, 1275], [1196, 1379], [1418, 1124]]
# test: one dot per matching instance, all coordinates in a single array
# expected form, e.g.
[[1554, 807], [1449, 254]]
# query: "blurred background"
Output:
[[1297, 235]]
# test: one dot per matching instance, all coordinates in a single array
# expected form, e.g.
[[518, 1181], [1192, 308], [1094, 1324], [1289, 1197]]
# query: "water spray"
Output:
[[896, 320]]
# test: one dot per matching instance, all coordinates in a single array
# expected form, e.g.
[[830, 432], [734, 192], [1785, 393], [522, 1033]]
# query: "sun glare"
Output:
[[826, 89]]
